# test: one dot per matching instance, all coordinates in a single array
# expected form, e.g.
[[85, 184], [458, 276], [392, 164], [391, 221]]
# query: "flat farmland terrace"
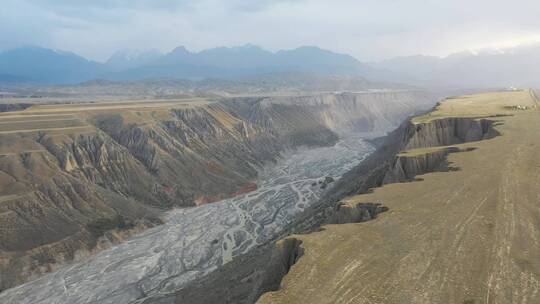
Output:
[[74, 116]]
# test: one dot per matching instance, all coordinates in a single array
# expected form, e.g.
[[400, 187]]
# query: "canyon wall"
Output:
[[389, 165], [246, 277], [68, 193]]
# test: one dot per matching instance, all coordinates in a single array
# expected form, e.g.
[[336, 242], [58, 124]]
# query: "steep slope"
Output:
[[469, 235], [77, 177]]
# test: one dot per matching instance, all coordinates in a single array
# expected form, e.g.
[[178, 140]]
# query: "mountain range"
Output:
[[40, 65], [518, 66]]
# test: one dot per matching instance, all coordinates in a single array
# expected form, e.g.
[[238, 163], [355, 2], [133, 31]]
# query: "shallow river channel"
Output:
[[196, 241]]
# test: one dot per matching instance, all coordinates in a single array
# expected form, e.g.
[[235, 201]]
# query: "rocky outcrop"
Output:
[[245, 278], [283, 256], [406, 166], [449, 131]]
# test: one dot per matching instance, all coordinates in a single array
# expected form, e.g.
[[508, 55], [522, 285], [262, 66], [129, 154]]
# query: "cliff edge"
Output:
[[462, 226]]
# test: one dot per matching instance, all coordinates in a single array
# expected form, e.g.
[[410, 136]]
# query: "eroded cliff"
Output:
[[462, 236], [416, 147]]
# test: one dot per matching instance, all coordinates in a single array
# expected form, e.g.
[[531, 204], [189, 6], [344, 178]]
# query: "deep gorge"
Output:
[[138, 163]]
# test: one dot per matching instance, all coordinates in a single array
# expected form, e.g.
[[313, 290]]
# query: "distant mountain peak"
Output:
[[129, 58], [180, 49], [134, 53], [248, 46], [310, 48]]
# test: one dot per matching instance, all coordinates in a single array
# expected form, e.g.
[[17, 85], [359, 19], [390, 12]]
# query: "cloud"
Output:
[[368, 29], [110, 4]]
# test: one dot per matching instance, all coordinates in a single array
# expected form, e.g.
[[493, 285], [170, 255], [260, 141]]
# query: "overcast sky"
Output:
[[367, 29]]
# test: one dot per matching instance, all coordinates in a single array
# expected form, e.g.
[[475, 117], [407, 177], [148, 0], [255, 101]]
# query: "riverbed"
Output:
[[196, 241]]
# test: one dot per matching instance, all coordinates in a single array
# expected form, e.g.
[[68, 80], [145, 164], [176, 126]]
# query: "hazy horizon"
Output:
[[483, 50], [369, 31]]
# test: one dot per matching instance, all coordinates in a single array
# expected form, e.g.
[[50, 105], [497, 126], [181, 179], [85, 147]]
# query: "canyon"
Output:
[[269, 152], [79, 178]]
